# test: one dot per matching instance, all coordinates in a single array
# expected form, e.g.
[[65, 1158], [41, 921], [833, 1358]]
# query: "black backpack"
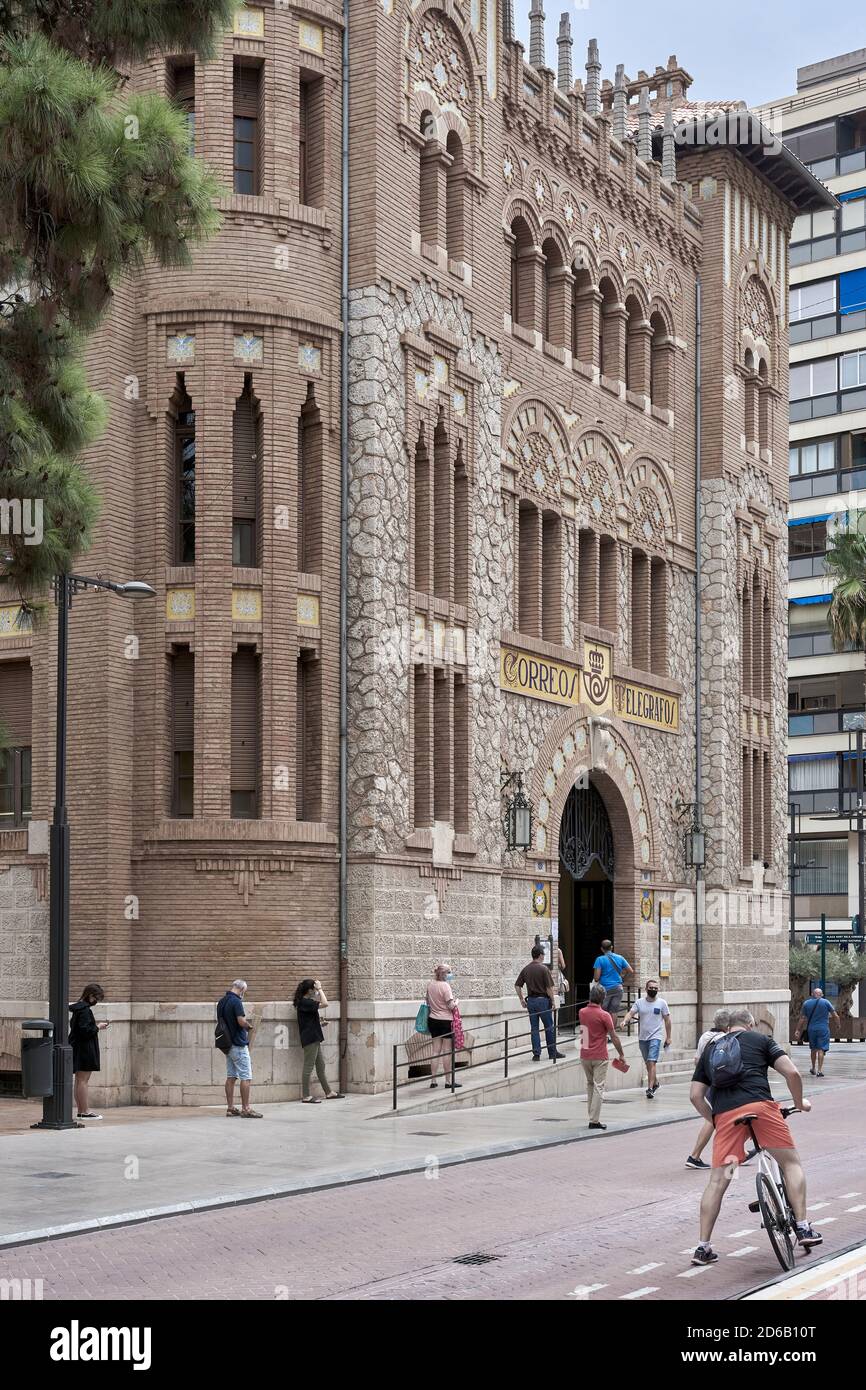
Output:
[[222, 1038], [725, 1061]]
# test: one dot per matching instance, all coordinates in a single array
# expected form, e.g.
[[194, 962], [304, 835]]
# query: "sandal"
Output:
[[311, 1100], [252, 1115], [88, 1115], [233, 1110], [335, 1095]]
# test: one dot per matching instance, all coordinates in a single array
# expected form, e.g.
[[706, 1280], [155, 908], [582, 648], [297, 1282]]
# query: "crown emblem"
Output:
[[596, 662]]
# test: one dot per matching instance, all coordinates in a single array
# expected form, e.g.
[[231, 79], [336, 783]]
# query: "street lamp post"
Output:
[[57, 1108]]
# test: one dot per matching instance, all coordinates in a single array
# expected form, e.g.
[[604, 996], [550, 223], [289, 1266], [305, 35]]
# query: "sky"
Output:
[[732, 48]]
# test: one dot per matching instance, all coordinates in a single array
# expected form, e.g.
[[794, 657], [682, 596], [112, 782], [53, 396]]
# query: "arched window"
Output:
[[636, 348], [659, 616], [423, 512], [310, 485], [746, 640], [551, 577], [583, 313], [529, 569], [751, 400], [555, 299], [429, 176], [522, 274], [455, 230], [183, 546], [764, 406], [461, 528], [661, 348], [246, 478], [443, 514], [640, 610], [611, 346]]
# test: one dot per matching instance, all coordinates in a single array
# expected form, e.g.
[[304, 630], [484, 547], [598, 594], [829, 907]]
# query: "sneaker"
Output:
[[656, 1086], [821, 1074], [811, 1071], [807, 1236], [536, 1059], [650, 1095], [558, 1057], [88, 1115], [597, 1124], [692, 1162], [434, 1085], [704, 1255]]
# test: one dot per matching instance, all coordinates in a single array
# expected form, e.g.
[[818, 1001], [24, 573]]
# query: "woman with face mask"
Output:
[[441, 1003]]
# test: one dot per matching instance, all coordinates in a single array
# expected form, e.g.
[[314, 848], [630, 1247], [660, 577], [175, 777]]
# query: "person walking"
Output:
[[539, 1003], [309, 999], [717, 1029], [815, 1017], [84, 1040], [610, 970], [748, 1093], [653, 1012], [596, 1029], [441, 1003], [231, 1015]]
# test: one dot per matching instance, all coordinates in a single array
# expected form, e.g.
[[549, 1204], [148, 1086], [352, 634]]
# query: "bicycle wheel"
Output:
[[775, 1221]]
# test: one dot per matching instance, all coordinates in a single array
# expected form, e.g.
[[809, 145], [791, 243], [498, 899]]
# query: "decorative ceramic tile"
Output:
[[308, 610], [246, 605], [180, 350], [509, 388], [310, 358], [9, 620], [458, 402], [249, 349], [440, 371], [180, 605], [311, 37], [250, 22]]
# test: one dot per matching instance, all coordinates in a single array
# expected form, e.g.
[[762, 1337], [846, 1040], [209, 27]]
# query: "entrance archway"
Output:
[[586, 881]]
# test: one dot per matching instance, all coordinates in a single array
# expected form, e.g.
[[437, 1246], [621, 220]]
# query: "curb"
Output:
[[823, 1259], [351, 1179]]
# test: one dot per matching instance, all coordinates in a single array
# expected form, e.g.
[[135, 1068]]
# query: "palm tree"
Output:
[[845, 564]]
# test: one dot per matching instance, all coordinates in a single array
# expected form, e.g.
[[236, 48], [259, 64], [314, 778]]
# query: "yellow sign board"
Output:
[[593, 685]]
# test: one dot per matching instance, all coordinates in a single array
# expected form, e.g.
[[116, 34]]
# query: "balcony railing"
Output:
[[825, 721], [816, 644], [806, 566]]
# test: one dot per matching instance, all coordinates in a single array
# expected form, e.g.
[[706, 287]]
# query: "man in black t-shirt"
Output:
[[749, 1094]]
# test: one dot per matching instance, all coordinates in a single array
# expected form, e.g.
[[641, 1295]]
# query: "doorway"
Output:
[[586, 865]]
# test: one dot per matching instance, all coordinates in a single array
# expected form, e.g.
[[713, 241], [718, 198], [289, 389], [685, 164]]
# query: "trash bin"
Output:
[[37, 1058]]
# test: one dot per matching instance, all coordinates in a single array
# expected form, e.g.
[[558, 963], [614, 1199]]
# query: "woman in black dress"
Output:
[[84, 1040]]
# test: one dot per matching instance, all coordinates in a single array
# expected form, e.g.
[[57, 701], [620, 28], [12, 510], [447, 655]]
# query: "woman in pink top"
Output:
[[441, 1004]]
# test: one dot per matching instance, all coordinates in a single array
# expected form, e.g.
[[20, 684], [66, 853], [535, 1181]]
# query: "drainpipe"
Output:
[[698, 823], [344, 559]]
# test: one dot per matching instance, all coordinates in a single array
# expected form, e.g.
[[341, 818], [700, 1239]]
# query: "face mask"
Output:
[[651, 993], [449, 977]]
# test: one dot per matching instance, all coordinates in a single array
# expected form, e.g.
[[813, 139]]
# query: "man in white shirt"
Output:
[[652, 1011]]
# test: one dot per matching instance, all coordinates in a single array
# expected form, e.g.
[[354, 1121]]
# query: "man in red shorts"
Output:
[[748, 1093]]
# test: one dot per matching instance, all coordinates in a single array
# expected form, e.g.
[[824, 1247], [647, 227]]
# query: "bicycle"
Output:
[[774, 1204]]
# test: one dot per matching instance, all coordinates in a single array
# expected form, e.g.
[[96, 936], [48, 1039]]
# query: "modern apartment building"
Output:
[[824, 124], [528, 502]]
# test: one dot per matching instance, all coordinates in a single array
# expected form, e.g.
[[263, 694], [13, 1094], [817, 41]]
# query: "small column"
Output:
[[564, 44], [644, 134], [536, 34], [557, 330], [639, 358], [614, 317], [587, 323], [593, 79], [669, 154], [620, 103]]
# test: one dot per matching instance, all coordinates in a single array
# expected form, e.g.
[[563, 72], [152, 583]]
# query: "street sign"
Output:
[[833, 938]]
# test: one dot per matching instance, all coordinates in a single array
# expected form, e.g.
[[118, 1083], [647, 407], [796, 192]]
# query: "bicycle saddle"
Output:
[[745, 1119]]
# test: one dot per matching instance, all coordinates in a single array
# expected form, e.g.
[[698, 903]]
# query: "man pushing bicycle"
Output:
[[730, 1082]]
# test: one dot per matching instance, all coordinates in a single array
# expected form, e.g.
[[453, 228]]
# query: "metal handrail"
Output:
[[508, 1036]]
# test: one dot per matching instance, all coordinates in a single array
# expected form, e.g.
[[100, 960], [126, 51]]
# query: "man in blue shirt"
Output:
[[609, 971], [233, 1017], [815, 1016]]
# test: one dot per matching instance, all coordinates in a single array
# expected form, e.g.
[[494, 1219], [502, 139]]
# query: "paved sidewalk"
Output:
[[139, 1162]]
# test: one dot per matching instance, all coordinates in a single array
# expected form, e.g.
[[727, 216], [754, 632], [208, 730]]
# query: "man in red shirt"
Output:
[[596, 1026]]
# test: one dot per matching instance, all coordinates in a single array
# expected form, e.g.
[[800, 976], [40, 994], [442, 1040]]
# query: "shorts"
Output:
[[440, 1027], [650, 1049], [612, 1000], [239, 1065], [770, 1129], [819, 1040]]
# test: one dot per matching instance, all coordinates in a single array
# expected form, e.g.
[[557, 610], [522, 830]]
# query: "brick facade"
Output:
[[521, 471]]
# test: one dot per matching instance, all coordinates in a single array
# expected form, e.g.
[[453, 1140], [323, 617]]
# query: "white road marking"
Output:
[[645, 1269], [825, 1220], [690, 1273], [640, 1293], [584, 1290], [746, 1250], [843, 1196], [817, 1206], [861, 1206], [735, 1235]]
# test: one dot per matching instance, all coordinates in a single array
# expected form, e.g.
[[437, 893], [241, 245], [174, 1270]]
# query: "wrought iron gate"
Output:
[[585, 834]]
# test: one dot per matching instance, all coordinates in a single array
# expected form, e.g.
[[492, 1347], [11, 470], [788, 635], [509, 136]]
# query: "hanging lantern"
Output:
[[517, 821]]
